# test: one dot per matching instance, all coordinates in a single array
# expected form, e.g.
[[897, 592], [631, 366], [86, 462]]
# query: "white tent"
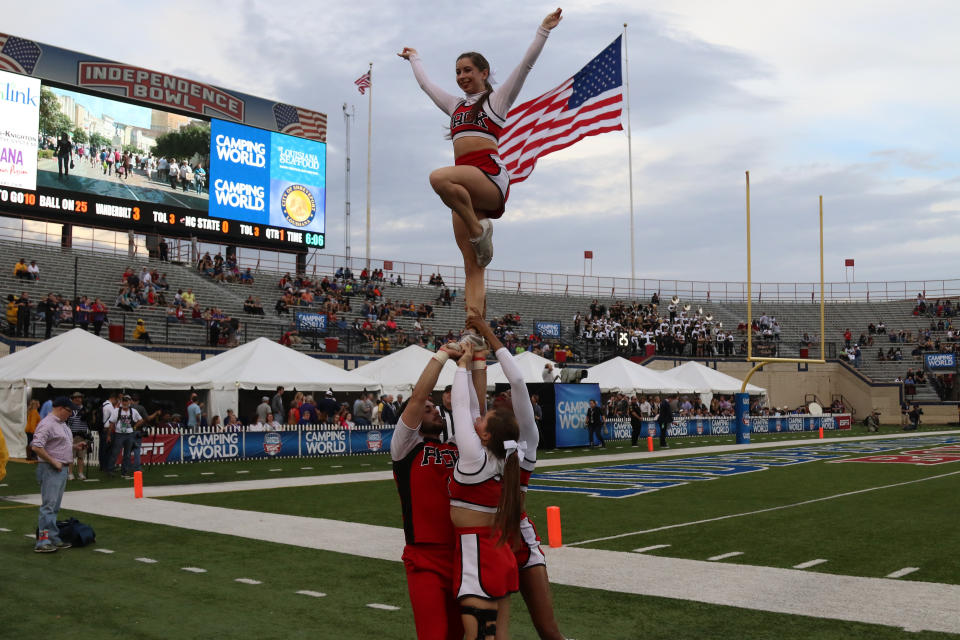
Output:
[[265, 364], [706, 380], [531, 366], [76, 360], [398, 372], [620, 375]]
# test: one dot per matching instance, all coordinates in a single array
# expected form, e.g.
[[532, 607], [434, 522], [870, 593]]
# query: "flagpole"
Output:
[[369, 134], [626, 58], [346, 201]]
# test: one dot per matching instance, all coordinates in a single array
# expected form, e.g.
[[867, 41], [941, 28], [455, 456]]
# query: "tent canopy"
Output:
[[398, 372], [265, 364], [531, 366], [706, 380], [620, 375], [78, 359]]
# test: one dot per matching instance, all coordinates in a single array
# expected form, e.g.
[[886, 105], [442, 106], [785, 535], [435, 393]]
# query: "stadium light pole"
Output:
[[626, 59], [346, 199]]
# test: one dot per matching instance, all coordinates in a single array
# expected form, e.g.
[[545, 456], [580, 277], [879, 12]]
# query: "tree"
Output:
[[189, 141], [49, 110], [62, 124], [131, 148], [79, 136], [98, 141]]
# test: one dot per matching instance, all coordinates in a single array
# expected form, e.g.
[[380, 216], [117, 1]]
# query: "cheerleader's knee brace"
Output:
[[486, 620]]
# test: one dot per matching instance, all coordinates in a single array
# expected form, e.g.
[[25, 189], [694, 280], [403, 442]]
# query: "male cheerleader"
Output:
[[422, 465]]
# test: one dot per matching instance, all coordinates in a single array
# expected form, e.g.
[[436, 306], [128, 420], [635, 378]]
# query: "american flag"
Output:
[[587, 104], [300, 122], [363, 83], [18, 55]]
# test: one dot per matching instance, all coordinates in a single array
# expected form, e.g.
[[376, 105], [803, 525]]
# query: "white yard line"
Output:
[[651, 548], [724, 556], [903, 572], [809, 563], [146, 560], [193, 569], [385, 607], [751, 513], [312, 594], [102, 550], [247, 581]]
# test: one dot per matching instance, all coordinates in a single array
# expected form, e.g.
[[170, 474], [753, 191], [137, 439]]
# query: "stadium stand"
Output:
[[99, 275]]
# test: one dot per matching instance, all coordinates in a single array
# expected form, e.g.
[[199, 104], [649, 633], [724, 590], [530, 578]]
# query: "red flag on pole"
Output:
[[588, 255], [848, 262]]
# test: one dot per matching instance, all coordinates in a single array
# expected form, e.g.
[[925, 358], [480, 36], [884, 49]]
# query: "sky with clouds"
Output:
[[854, 100]]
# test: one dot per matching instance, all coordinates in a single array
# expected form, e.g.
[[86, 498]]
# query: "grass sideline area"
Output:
[[115, 596], [911, 525]]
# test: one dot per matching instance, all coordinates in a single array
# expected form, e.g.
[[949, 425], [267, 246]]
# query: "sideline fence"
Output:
[[179, 445]]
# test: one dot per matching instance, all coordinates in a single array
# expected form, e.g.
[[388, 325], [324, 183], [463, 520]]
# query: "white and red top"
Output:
[[523, 410], [476, 481], [493, 112], [421, 469]]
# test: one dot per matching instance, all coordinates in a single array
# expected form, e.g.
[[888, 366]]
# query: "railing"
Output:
[[508, 281]]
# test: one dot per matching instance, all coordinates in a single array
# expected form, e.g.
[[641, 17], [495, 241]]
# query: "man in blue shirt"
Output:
[[193, 412], [46, 408]]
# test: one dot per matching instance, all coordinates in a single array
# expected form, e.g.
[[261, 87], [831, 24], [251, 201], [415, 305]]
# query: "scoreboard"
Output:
[[262, 185]]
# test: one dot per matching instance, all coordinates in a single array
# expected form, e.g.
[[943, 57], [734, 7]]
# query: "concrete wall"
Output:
[[786, 386]]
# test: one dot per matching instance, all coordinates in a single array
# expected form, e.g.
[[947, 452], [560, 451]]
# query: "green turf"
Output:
[[91, 595], [868, 534]]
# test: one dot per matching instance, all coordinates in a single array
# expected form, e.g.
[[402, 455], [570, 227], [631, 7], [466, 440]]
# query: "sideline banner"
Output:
[[271, 444], [375, 441], [689, 427], [158, 449], [572, 402]]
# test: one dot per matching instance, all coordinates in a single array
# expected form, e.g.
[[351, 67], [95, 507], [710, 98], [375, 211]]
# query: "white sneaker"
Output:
[[70, 476], [82, 477], [483, 244], [471, 337]]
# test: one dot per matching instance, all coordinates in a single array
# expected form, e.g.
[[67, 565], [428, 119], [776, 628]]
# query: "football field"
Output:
[[785, 538]]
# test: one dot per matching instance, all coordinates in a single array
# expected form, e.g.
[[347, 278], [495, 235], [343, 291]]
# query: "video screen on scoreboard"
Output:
[[139, 167]]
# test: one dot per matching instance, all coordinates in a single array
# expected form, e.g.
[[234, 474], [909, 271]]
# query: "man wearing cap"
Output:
[[81, 434], [263, 409], [329, 406], [53, 444], [122, 423]]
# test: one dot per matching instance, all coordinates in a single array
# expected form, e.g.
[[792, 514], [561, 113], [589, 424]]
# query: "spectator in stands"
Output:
[[11, 315], [881, 328], [291, 338], [140, 332], [246, 277], [24, 312], [847, 337], [33, 271], [98, 315], [174, 313], [21, 270]]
